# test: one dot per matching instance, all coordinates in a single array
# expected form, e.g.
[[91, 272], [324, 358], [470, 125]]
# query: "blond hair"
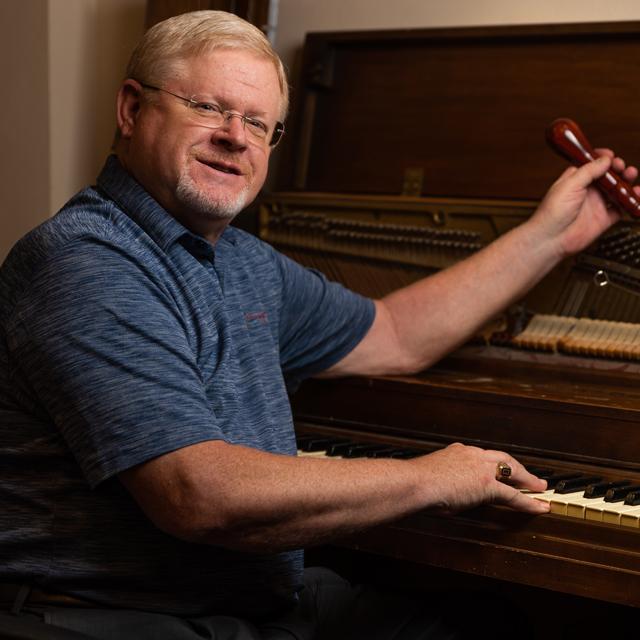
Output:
[[171, 41]]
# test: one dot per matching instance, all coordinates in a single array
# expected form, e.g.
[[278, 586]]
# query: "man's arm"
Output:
[[417, 325], [237, 497], [233, 496]]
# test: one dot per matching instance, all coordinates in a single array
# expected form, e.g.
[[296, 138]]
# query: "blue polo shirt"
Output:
[[123, 336]]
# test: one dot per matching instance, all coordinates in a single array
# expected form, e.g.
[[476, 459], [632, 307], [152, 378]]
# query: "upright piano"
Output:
[[409, 150]]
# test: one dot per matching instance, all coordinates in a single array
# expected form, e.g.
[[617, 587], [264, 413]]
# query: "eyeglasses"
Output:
[[209, 114]]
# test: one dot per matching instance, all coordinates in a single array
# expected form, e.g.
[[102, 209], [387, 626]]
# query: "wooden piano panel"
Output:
[[465, 109], [561, 415], [586, 559]]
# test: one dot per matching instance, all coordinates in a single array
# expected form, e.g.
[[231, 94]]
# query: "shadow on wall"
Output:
[[90, 45]]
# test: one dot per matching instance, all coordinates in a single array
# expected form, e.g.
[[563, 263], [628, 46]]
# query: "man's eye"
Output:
[[207, 108], [257, 126]]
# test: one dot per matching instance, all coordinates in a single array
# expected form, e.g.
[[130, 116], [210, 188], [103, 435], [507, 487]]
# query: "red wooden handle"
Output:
[[566, 138]]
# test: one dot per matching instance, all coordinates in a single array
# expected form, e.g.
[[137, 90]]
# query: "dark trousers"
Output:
[[330, 608]]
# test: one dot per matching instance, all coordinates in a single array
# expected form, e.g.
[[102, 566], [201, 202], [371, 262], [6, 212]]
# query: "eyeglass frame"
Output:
[[227, 114]]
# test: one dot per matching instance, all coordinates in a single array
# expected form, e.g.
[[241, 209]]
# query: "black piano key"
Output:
[[362, 450], [350, 449], [599, 489], [318, 443], [554, 478], [576, 484], [310, 443], [540, 472], [395, 452], [339, 448], [620, 493], [302, 440], [406, 454], [632, 498], [382, 453]]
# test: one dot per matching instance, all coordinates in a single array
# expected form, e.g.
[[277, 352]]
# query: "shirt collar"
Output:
[[155, 221]]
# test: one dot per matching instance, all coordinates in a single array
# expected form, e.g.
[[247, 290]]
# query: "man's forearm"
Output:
[[418, 324], [249, 499], [236, 497], [433, 316]]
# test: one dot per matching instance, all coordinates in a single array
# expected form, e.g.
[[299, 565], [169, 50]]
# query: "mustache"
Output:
[[226, 164]]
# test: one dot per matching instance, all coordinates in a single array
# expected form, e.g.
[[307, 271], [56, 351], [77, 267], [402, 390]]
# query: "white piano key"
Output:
[[614, 510], [594, 511], [578, 508], [560, 501], [543, 496], [631, 518], [312, 454]]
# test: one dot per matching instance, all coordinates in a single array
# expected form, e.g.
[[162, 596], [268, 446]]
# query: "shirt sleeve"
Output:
[[320, 323], [102, 343]]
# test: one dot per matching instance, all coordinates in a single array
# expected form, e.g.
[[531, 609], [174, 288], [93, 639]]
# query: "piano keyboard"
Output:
[[570, 494], [618, 506]]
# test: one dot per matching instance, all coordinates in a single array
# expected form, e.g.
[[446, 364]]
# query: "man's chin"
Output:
[[227, 211], [213, 208]]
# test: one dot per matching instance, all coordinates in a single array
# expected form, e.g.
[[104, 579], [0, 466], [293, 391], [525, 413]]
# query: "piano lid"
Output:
[[457, 112]]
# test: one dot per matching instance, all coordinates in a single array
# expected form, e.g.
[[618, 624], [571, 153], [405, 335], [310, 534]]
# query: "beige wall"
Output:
[[61, 64], [296, 17], [62, 60], [24, 122], [89, 44]]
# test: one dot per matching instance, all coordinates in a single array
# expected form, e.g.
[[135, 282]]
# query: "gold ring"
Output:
[[503, 471]]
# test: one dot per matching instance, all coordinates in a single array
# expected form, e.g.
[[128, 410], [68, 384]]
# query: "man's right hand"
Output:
[[461, 477]]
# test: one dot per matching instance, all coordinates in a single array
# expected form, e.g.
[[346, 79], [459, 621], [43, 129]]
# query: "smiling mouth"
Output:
[[223, 168]]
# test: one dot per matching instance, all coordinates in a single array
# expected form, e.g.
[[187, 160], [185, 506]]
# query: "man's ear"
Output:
[[128, 105]]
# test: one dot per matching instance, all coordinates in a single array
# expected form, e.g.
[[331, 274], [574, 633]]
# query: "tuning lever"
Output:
[[566, 138]]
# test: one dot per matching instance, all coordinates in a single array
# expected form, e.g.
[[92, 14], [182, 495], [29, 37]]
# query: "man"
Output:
[[150, 487]]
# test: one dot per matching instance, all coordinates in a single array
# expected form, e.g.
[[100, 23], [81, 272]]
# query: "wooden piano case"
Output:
[[408, 150]]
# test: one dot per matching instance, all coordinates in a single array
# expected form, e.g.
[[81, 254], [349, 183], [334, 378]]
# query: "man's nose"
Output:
[[233, 130]]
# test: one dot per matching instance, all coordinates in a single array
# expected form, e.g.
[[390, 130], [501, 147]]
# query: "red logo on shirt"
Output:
[[251, 317]]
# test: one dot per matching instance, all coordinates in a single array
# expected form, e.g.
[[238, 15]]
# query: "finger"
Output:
[[587, 173], [510, 495], [522, 479], [630, 173], [522, 502], [519, 476], [526, 480], [618, 165], [591, 171], [604, 151]]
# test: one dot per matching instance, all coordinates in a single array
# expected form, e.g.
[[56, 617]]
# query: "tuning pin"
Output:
[[566, 138]]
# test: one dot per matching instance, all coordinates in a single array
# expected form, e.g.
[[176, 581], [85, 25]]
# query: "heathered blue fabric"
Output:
[[123, 336]]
